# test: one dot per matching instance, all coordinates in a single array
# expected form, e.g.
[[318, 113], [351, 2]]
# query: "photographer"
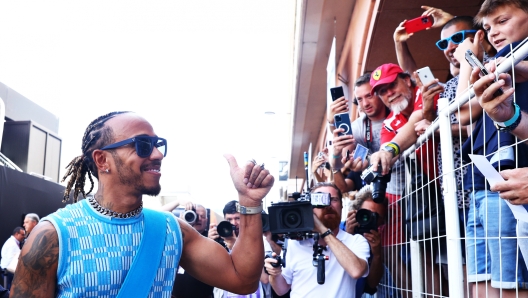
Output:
[[233, 217], [347, 256], [370, 225], [200, 223]]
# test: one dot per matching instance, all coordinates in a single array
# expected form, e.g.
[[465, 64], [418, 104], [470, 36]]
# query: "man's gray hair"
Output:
[[365, 193], [33, 217], [202, 206], [361, 196]]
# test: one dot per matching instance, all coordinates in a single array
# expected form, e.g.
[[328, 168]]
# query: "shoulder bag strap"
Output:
[[142, 272]]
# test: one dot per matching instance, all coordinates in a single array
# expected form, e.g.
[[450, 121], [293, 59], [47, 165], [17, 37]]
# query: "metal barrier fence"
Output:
[[437, 231]]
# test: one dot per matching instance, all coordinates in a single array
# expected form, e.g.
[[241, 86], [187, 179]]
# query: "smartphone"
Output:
[[343, 121], [320, 155], [418, 24], [472, 59], [426, 76], [336, 93], [361, 151]]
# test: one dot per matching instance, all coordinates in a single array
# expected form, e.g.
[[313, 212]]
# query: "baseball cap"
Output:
[[384, 74]]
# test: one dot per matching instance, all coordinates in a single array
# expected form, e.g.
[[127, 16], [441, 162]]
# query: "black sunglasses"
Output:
[[144, 145], [455, 38]]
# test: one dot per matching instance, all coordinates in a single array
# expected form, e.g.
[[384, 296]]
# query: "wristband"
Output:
[[248, 210], [326, 233], [513, 122], [336, 156], [395, 146], [331, 124]]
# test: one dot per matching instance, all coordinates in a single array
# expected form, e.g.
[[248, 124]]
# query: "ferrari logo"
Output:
[[377, 74]]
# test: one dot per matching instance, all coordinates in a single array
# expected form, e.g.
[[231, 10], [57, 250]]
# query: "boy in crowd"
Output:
[[506, 22]]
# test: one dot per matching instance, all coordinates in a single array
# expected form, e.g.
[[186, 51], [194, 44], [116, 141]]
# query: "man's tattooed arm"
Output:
[[36, 273]]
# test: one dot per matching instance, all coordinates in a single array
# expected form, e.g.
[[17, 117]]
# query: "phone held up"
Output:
[[472, 59], [343, 121], [336, 93], [325, 164], [426, 76], [418, 24]]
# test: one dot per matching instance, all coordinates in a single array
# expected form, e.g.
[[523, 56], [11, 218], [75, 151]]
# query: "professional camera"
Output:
[[280, 261], [225, 229], [265, 221], [295, 219], [190, 216], [379, 183], [367, 221]]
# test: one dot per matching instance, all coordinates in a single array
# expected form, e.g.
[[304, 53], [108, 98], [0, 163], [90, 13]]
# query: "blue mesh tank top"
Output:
[[96, 252]]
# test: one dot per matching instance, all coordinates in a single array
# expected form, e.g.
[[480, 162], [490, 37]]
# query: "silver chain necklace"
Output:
[[108, 212]]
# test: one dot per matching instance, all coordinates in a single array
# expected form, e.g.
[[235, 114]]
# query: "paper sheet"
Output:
[[485, 167]]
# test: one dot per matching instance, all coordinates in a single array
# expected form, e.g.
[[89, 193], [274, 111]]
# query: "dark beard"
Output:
[[331, 223], [127, 177]]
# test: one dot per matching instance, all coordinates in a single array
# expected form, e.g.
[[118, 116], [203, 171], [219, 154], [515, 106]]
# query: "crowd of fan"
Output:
[[396, 108]]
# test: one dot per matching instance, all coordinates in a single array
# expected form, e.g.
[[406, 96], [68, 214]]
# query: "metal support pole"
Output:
[[454, 251], [416, 269]]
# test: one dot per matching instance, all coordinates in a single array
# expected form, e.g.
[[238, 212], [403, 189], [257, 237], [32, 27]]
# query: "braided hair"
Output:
[[96, 136]]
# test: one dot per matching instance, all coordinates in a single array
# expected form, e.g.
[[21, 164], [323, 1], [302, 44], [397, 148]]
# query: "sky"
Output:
[[203, 73]]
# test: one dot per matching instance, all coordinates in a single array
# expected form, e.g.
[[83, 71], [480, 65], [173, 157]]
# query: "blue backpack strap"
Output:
[[140, 277]]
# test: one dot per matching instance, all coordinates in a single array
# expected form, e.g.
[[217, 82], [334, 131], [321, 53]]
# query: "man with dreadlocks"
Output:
[[109, 246]]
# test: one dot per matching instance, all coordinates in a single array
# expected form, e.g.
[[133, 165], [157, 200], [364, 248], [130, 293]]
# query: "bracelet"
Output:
[[331, 124], [336, 156], [513, 122], [326, 233], [335, 171], [248, 210], [395, 147]]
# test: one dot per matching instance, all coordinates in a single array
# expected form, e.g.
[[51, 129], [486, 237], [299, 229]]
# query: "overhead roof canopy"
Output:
[[374, 23]]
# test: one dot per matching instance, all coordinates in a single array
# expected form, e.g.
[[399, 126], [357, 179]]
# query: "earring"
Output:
[[107, 171]]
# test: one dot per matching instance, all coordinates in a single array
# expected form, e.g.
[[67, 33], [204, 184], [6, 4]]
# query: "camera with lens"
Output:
[[367, 221], [225, 229], [280, 261], [379, 182], [295, 219], [189, 216]]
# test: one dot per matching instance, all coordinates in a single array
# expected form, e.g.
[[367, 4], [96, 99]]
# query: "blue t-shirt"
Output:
[[487, 140]]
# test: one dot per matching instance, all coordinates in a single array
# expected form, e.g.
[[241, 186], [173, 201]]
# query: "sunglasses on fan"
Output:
[[456, 38]]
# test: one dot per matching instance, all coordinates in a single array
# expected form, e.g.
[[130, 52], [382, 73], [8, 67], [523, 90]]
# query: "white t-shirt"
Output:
[[302, 275], [9, 250]]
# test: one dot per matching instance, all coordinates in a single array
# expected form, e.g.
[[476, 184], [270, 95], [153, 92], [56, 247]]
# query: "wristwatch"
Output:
[[248, 210], [389, 149]]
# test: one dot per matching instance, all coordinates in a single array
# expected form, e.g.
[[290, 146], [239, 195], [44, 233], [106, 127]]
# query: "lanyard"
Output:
[[368, 132]]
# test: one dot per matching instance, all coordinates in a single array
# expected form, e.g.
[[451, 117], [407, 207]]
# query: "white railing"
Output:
[[423, 260]]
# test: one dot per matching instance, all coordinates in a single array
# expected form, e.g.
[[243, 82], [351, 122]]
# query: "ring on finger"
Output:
[[253, 161], [262, 166]]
